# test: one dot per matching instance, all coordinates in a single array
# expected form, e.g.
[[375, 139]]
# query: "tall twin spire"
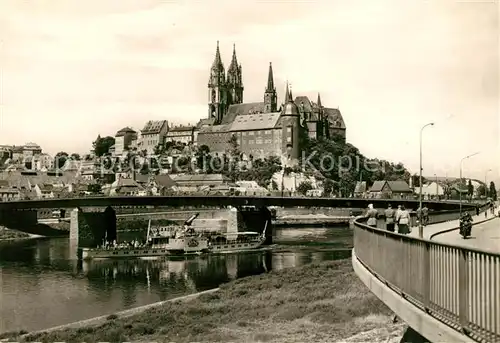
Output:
[[270, 79]]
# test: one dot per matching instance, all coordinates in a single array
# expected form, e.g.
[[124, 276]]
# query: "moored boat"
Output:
[[177, 240]]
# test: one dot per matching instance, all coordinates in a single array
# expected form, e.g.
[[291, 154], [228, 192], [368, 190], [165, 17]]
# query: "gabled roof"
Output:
[[153, 127], [394, 186], [260, 121], [399, 186], [304, 104], [215, 128]]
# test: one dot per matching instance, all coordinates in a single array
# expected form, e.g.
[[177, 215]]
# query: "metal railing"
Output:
[[457, 285]]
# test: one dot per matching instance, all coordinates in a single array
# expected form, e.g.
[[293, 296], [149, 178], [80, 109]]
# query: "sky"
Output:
[[72, 69]]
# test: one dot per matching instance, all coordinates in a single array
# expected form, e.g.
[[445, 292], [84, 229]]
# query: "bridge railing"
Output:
[[457, 285]]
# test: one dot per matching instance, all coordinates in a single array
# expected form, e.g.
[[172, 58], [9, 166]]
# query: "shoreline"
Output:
[[320, 302]]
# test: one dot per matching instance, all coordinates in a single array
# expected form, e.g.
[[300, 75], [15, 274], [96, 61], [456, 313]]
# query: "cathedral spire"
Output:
[[319, 101], [290, 96], [270, 79], [217, 60], [287, 93], [234, 60]]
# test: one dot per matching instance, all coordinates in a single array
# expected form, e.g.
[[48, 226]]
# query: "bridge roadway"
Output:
[[218, 200], [446, 289]]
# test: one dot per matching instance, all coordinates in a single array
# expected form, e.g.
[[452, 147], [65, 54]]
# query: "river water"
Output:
[[42, 287]]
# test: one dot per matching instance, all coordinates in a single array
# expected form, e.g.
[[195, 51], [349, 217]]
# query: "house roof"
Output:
[[395, 186], [181, 128], [215, 128], [153, 127], [260, 121], [19, 179], [141, 178], [199, 178]]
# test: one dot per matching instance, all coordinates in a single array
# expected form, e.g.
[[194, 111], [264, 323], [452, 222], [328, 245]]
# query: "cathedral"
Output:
[[261, 128]]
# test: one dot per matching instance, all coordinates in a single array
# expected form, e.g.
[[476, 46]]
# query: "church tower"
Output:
[[270, 97], [217, 89], [290, 126], [234, 81]]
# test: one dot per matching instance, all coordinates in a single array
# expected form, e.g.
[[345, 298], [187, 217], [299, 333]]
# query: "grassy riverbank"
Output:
[[8, 234], [317, 302]]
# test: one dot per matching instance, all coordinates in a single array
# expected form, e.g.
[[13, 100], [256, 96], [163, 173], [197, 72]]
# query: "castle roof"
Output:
[[334, 117], [259, 121], [237, 109]]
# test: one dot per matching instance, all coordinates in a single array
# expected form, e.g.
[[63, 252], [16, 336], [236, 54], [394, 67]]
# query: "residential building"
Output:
[[44, 191], [261, 128], [390, 190], [123, 140], [17, 153], [125, 187], [194, 183], [181, 134], [31, 150], [152, 135], [9, 194], [432, 189], [44, 162]]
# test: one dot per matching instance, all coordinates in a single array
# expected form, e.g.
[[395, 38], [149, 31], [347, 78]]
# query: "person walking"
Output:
[[425, 215], [403, 221], [389, 218], [372, 215]]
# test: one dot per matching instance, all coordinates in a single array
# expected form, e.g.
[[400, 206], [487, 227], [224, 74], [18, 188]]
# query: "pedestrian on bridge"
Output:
[[390, 214], [403, 220], [372, 215]]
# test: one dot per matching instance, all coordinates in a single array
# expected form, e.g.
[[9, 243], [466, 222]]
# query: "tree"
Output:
[[304, 187], [101, 145], [75, 157], [231, 164], [470, 189], [493, 191], [60, 159]]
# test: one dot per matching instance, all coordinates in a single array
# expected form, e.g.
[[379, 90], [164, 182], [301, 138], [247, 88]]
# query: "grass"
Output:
[[6, 234], [316, 302]]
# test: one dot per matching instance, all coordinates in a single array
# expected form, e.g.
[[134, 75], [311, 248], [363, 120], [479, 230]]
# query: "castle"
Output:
[[261, 128]]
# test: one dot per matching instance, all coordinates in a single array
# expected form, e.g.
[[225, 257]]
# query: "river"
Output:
[[42, 287]]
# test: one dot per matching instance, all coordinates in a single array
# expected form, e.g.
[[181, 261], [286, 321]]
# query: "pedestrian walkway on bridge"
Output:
[[433, 229]]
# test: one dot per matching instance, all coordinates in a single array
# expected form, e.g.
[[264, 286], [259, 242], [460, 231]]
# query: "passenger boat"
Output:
[[176, 240]]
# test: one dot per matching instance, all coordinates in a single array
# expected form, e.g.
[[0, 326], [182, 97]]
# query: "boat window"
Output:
[[136, 252]]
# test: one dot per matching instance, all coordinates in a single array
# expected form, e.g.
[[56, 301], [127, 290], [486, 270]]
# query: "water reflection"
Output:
[[42, 287]]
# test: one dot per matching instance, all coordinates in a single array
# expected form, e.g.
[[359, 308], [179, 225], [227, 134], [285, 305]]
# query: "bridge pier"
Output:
[[254, 219], [412, 336], [89, 229]]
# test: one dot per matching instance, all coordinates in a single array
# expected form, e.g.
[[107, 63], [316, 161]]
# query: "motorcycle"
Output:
[[465, 226]]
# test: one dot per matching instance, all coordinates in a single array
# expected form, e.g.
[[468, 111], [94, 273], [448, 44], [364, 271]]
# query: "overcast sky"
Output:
[[72, 69]]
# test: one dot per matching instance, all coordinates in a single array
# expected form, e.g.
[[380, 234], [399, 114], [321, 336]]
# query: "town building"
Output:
[[31, 150], [432, 189], [123, 140], [261, 128], [390, 190], [152, 135], [181, 134]]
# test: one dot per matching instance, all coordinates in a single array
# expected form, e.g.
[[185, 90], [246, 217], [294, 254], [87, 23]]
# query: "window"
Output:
[[289, 139], [258, 141], [244, 133], [288, 129], [251, 133], [251, 141]]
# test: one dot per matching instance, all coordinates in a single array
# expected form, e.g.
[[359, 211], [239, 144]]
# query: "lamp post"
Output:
[[460, 187], [437, 187], [486, 185], [420, 227]]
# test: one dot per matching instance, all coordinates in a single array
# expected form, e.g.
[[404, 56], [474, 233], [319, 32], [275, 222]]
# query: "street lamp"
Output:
[[420, 227], [485, 184], [460, 189]]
